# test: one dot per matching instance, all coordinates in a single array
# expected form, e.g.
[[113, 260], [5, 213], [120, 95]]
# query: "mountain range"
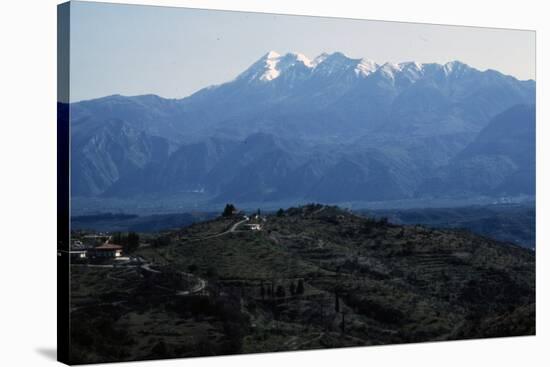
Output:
[[333, 129]]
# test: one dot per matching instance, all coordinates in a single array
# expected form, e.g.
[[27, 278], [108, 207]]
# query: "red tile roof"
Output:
[[108, 246]]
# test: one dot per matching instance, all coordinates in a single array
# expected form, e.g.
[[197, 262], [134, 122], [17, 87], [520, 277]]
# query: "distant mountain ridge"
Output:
[[331, 129]]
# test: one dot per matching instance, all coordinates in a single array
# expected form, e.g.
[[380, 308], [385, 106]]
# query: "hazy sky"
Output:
[[173, 52]]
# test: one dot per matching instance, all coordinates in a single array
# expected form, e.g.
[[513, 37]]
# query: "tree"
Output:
[[229, 210], [132, 242], [211, 272], [161, 241], [280, 291], [300, 287], [262, 291], [336, 302], [343, 323], [293, 288], [280, 212], [159, 349], [118, 239]]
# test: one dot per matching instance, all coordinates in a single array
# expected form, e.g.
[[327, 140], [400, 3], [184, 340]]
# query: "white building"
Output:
[[254, 227]]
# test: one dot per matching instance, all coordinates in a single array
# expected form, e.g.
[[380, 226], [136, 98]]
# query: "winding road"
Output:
[[201, 283], [197, 288], [231, 229]]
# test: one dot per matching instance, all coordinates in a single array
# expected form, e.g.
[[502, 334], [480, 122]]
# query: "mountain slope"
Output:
[[499, 162], [107, 152], [378, 130]]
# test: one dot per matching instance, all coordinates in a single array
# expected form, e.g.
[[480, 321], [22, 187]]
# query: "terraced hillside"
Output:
[[316, 277]]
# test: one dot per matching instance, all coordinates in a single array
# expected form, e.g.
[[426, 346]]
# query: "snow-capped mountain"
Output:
[[272, 65], [290, 127], [291, 65], [288, 66]]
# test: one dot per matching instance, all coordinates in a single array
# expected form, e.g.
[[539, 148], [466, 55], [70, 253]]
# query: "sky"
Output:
[[173, 52]]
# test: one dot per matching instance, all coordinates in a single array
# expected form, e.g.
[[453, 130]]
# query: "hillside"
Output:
[[313, 277], [515, 223]]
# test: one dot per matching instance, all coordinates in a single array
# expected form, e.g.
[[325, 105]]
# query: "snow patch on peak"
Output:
[[300, 57], [365, 67], [270, 68], [319, 59], [273, 64], [391, 66], [271, 55], [413, 70], [448, 68], [335, 58], [410, 65], [337, 62], [454, 66], [389, 69]]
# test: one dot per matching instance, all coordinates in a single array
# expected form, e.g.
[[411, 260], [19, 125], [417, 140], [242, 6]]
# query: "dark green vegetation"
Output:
[[515, 223], [312, 277], [129, 241], [229, 210]]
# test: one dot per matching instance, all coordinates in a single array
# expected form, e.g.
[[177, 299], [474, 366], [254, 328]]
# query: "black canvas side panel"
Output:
[[63, 184]]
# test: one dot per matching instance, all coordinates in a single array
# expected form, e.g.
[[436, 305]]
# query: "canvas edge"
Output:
[[63, 182]]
